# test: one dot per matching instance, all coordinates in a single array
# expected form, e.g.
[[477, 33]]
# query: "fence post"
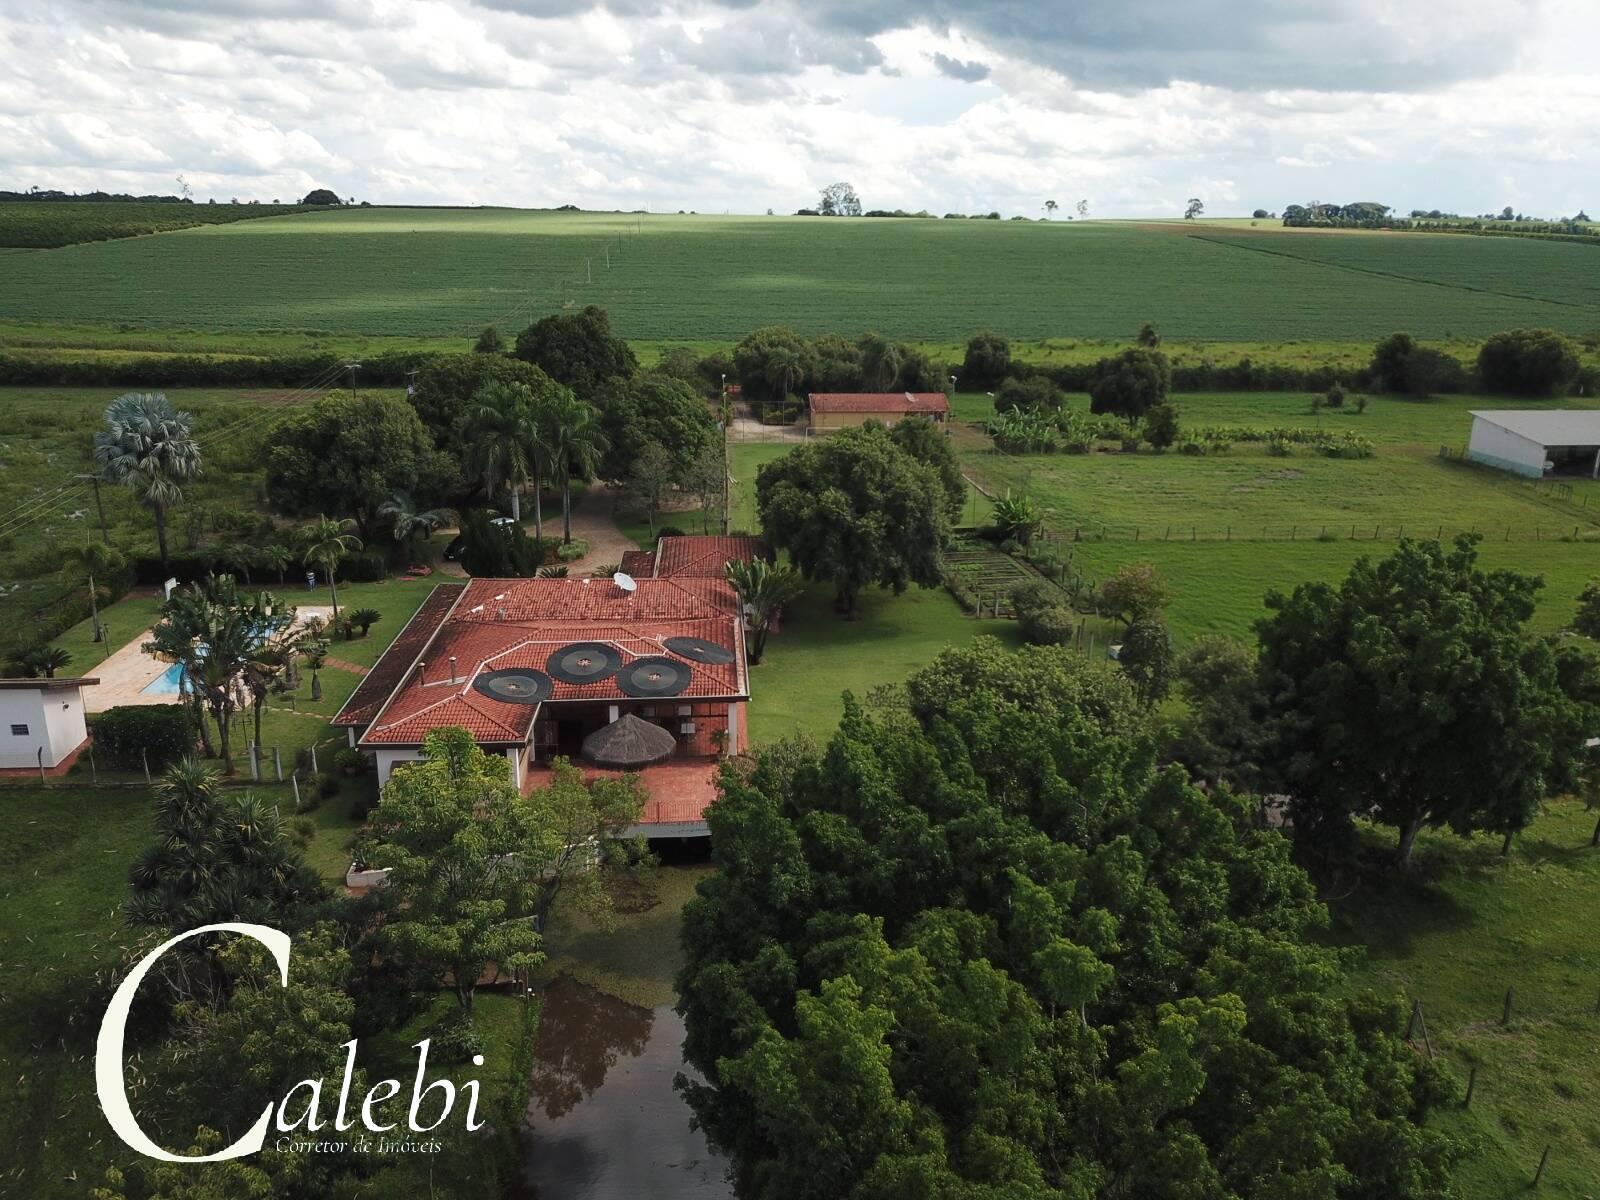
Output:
[[1472, 1083], [1543, 1159], [255, 765], [1505, 1013], [277, 763], [145, 755], [314, 770], [294, 781], [94, 772]]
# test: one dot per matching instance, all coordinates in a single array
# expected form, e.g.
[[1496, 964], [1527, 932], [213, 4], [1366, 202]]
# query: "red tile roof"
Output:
[[499, 624], [899, 403], [391, 668], [641, 564], [702, 557]]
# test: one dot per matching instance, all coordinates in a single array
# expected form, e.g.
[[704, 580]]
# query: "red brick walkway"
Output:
[[339, 664]]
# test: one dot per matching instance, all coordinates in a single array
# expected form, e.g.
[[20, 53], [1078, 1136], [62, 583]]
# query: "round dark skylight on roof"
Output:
[[647, 678], [584, 662], [518, 685], [699, 650]]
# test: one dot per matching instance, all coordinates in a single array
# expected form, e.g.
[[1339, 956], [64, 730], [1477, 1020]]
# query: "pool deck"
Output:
[[129, 670]]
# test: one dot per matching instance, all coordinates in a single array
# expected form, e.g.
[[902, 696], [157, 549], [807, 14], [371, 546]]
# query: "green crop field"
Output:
[[54, 223], [435, 272]]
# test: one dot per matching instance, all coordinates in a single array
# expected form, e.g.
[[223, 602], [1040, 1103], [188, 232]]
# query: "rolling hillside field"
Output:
[[436, 272]]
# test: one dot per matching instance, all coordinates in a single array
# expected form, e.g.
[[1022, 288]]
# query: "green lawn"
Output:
[[1466, 927], [818, 655]]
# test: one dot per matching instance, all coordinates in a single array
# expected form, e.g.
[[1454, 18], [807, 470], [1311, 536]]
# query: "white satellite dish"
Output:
[[624, 581]]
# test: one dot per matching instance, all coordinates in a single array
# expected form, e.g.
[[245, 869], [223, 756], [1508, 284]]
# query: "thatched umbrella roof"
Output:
[[628, 742]]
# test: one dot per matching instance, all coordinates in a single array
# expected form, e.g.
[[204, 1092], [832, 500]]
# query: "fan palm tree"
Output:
[[500, 431], [763, 590], [407, 522], [577, 442], [327, 542], [148, 447]]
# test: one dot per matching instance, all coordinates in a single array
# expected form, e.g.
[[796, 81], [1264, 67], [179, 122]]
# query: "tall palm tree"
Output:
[[148, 447], [406, 521], [784, 370], [500, 431], [327, 542], [881, 361], [577, 442], [763, 590]]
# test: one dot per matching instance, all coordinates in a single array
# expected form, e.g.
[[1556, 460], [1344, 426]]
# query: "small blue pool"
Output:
[[169, 681]]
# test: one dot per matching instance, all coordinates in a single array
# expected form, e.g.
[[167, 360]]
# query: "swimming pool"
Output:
[[169, 681]]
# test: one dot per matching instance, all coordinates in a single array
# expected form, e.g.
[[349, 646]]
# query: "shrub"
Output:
[[1161, 425], [455, 1039], [302, 831], [328, 784], [362, 618], [1528, 362], [1052, 626], [163, 732], [1191, 446], [349, 760], [1279, 447], [1035, 395], [1335, 397]]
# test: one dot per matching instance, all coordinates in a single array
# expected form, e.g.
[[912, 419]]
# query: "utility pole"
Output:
[[99, 506], [94, 610], [353, 368]]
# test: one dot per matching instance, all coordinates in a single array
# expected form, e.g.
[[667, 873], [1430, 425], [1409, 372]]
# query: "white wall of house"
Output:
[[1495, 446], [389, 759], [32, 719]]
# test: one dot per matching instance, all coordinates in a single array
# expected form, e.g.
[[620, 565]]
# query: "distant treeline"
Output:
[[93, 197], [1366, 214]]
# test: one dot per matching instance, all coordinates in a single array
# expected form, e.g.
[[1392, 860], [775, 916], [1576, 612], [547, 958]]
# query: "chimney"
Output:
[[452, 668], [501, 612], [422, 671]]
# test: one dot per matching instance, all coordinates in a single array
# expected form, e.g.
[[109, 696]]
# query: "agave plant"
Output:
[[1016, 518]]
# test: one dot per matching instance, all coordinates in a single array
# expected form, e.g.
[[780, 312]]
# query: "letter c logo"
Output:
[[108, 1078]]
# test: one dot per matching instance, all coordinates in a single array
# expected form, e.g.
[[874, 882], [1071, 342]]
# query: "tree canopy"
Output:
[[577, 349], [1130, 383], [1528, 362], [1412, 692], [931, 966], [856, 509], [345, 455], [987, 359], [652, 408]]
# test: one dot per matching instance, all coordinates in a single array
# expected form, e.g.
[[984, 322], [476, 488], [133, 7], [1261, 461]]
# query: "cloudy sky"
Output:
[[732, 105]]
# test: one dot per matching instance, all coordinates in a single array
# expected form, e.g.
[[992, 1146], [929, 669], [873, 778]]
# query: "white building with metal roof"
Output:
[[1537, 442]]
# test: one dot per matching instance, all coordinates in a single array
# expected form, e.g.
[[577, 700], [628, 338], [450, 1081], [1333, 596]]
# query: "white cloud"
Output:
[[712, 105]]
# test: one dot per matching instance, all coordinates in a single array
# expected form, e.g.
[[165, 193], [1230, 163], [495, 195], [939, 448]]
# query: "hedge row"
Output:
[[193, 370], [1247, 376], [126, 734], [188, 566]]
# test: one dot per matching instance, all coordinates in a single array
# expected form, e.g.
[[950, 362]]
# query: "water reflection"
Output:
[[604, 1120]]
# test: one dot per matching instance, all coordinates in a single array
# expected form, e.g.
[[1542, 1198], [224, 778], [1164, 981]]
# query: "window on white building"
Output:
[[19, 731]]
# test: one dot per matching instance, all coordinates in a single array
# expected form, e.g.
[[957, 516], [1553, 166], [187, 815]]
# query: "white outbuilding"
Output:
[[42, 725], [1537, 442]]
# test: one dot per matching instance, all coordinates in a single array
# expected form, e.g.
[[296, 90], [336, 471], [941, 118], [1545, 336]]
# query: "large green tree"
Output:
[[855, 509], [149, 447], [652, 408], [929, 965], [1129, 384], [345, 455], [577, 349], [1412, 693], [1528, 362], [461, 893], [925, 440], [773, 361]]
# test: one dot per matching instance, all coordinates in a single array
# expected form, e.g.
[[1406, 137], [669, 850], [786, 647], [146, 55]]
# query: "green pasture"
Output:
[[47, 224], [1246, 493], [438, 272]]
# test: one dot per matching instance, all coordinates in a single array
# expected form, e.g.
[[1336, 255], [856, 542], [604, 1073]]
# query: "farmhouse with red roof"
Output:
[[844, 410], [543, 668]]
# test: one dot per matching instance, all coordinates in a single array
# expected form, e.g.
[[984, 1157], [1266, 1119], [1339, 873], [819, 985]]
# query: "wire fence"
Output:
[[1340, 530]]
